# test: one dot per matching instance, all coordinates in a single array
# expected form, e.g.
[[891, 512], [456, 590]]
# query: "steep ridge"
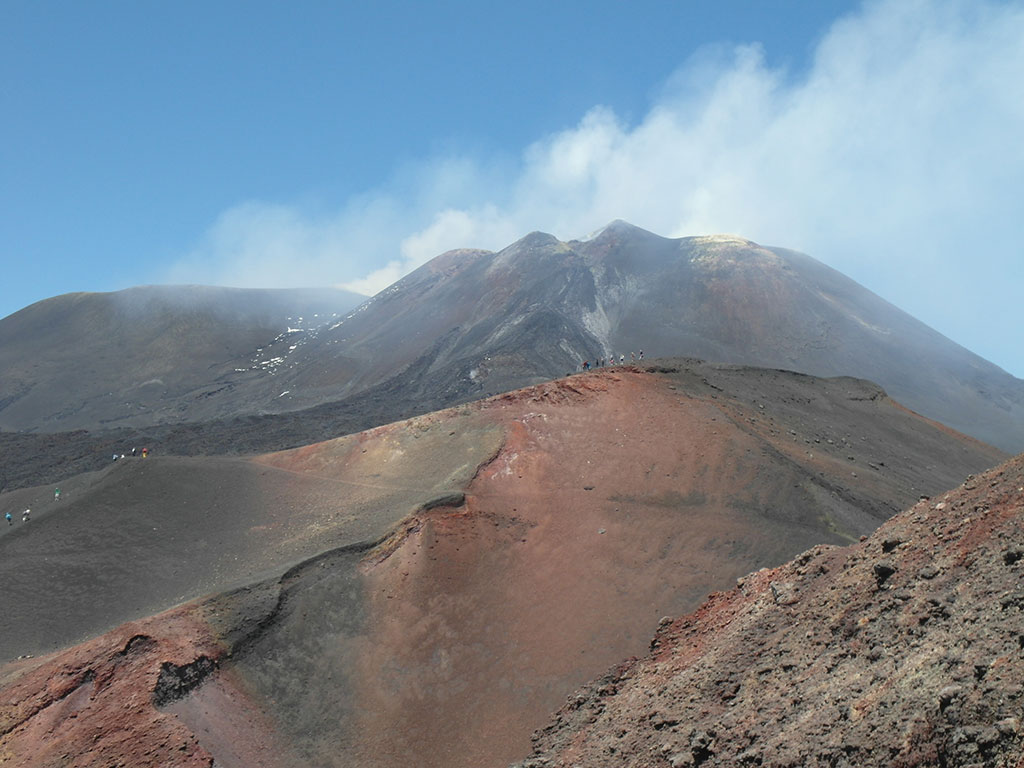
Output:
[[150, 354], [441, 614], [906, 649]]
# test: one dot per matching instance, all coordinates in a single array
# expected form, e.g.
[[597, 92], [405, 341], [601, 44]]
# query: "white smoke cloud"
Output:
[[259, 244], [896, 158]]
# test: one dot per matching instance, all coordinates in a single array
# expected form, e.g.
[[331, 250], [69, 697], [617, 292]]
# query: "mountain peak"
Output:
[[619, 225], [616, 227], [538, 238]]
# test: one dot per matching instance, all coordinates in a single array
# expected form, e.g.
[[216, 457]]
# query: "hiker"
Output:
[[641, 354], [133, 451], [10, 520], [632, 357], [115, 457], [622, 359], [586, 365], [24, 515], [145, 452], [56, 494]]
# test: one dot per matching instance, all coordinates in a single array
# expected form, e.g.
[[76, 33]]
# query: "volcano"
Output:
[[402, 531], [473, 323]]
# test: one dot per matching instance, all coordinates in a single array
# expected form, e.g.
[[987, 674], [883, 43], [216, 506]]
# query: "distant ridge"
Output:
[[144, 355]]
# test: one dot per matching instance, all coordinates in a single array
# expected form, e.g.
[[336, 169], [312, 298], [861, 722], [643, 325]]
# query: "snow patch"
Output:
[[507, 326]]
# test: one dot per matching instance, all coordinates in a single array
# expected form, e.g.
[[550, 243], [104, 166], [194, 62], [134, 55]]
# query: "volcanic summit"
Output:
[[473, 323]]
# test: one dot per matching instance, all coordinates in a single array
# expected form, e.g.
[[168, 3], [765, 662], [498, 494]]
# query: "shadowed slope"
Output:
[[581, 512]]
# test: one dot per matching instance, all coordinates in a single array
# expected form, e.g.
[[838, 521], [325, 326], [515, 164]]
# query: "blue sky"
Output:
[[271, 144]]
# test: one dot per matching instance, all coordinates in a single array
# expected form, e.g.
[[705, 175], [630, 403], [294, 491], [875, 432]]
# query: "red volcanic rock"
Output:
[[96, 704], [906, 649], [475, 620], [149, 694]]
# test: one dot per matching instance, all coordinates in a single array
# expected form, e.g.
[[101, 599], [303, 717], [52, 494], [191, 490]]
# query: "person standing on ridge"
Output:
[[56, 494], [24, 515], [10, 520], [145, 452]]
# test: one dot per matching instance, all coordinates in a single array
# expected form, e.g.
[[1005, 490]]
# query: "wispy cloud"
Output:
[[896, 157]]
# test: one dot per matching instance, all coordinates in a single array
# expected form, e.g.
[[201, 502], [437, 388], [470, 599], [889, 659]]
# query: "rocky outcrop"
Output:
[[906, 649], [93, 705]]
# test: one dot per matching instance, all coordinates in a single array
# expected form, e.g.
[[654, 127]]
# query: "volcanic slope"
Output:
[[146, 534], [151, 354], [474, 323], [438, 585], [906, 649]]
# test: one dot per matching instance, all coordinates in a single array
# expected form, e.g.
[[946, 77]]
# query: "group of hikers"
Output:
[[24, 516], [56, 491], [134, 452], [28, 511], [601, 362]]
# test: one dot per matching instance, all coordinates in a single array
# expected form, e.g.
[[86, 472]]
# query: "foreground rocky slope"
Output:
[[428, 591], [906, 649]]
